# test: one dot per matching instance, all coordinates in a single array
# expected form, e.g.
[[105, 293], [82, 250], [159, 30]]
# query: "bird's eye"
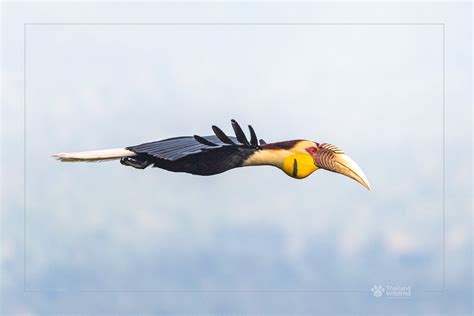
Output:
[[312, 150]]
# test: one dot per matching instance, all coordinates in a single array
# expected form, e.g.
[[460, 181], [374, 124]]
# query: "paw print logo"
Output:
[[377, 290]]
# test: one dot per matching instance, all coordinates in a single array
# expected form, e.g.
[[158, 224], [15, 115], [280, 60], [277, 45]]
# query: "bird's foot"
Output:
[[135, 162]]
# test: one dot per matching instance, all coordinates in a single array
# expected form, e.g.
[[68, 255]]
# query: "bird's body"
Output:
[[210, 155], [186, 154]]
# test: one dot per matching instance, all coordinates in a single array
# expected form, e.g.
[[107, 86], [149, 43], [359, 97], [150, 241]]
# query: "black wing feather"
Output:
[[239, 133], [175, 148], [253, 137], [222, 136], [204, 141]]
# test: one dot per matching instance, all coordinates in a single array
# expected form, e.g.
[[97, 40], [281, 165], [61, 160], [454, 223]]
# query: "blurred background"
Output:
[[102, 238]]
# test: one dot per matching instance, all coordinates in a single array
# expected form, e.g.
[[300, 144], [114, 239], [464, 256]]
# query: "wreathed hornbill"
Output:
[[210, 155]]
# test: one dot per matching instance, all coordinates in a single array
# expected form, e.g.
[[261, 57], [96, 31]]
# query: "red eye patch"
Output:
[[311, 150]]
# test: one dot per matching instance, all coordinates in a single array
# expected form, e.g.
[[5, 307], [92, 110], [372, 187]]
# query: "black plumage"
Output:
[[222, 136], [239, 133], [204, 141], [201, 155], [253, 137]]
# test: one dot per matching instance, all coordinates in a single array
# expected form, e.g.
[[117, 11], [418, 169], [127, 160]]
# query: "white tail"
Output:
[[97, 155]]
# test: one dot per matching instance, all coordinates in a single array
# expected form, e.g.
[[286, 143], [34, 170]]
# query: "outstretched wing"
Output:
[[177, 147], [204, 155]]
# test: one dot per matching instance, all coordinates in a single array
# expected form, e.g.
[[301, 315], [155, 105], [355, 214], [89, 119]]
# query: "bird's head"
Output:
[[323, 156]]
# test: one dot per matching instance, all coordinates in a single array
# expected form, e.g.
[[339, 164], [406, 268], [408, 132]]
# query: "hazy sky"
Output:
[[374, 90]]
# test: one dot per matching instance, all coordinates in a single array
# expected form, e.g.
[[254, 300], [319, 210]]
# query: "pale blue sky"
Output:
[[374, 90]]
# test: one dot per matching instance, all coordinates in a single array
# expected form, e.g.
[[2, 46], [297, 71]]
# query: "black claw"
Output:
[[262, 142], [239, 133], [222, 136], [135, 162]]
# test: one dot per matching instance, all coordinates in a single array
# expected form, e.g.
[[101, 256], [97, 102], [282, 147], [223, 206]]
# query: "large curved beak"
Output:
[[334, 159], [344, 165]]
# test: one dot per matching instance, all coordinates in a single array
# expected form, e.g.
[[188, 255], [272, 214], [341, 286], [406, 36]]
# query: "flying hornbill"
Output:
[[210, 155]]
